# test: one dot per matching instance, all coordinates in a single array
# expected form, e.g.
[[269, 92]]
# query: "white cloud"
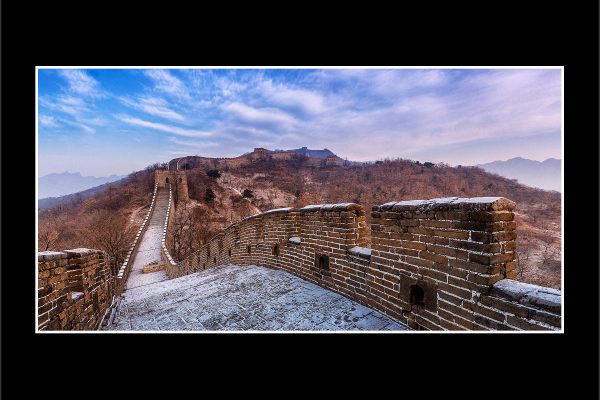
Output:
[[258, 115], [83, 127], [81, 83], [193, 144], [48, 121], [154, 106], [305, 100], [228, 87], [165, 82], [163, 127]]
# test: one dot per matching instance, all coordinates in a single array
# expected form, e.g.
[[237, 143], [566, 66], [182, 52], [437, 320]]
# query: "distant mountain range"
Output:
[[55, 185], [541, 174]]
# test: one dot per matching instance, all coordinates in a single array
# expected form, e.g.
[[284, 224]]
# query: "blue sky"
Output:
[[114, 121]]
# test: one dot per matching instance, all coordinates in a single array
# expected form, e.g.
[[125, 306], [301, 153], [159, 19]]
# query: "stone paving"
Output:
[[249, 298], [150, 246]]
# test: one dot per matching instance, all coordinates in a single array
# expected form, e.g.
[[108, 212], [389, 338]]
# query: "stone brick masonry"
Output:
[[440, 264], [75, 289]]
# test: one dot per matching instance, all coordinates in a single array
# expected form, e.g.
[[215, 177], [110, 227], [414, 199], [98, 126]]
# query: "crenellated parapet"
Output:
[[440, 264], [75, 289]]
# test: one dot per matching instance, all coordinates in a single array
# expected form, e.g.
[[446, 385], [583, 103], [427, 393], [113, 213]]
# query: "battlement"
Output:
[[439, 264], [75, 289]]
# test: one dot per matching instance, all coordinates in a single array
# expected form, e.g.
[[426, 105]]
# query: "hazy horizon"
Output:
[[102, 122]]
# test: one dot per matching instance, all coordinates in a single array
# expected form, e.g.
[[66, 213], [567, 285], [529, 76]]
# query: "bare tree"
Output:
[[525, 256], [48, 233], [190, 230], [109, 232]]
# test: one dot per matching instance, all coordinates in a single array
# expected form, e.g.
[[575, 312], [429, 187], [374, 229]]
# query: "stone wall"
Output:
[[442, 264], [75, 289], [173, 179]]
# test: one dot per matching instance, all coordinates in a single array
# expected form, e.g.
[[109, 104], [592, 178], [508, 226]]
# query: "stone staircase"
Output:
[[149, 251]]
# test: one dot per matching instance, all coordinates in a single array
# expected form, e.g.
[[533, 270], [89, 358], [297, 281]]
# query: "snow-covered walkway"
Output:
[[234, 298], [150, 246]]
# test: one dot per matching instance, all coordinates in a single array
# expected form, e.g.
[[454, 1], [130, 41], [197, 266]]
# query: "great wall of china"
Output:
[[440, 264]]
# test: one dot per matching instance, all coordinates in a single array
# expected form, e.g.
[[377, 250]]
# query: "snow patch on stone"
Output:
[[295, 240], [276, 210], [362, 252], [528, 294]]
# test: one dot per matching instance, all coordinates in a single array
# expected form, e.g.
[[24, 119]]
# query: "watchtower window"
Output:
[[229, 252], [167, 180], [322, 261], [249, 249], [214, 260], [417, 295], [276, 250]]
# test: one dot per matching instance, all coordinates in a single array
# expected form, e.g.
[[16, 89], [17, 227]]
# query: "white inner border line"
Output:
[[562, 175]]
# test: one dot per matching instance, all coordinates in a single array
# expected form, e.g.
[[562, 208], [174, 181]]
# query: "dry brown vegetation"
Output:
[[296, 183], [107, 220]]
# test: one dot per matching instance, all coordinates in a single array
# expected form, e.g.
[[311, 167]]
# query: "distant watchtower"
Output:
[[260, 153], [331, 160], [177, 180]]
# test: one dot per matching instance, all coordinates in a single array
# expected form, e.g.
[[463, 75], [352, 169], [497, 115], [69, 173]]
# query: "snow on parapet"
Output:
[[330, 207], [362, 252], [295, 240], [278, 210], [450, 203], [81, 251], [528, 294], [50, 255]]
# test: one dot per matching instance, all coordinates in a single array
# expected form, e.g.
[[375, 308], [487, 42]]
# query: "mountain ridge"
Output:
[[66, 183], [541, 174]]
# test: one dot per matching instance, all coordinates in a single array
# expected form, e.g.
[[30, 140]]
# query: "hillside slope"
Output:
[[218, 199]]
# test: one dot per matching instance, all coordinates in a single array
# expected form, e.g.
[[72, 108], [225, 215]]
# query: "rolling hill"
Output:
[[273, 181]]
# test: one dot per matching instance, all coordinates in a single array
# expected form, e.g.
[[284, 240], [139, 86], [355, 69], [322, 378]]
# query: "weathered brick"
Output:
[[413, 245], [456, 309], [475, 246], [484, 279], [488, 312], [491, 259], [448, 251], [503, 305], [432, 223], [496, 237], [420, 262], [434, 240], [457, 291], [524, 324], [437, 258]]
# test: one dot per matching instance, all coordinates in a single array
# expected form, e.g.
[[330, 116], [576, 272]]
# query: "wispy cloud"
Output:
[[195, 145], [48, 121], [81, 83], [362, 114], [163, 127], [74, 105], [303, 100], [85, 128], [154, 106], [258, 116], [165, 82]]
